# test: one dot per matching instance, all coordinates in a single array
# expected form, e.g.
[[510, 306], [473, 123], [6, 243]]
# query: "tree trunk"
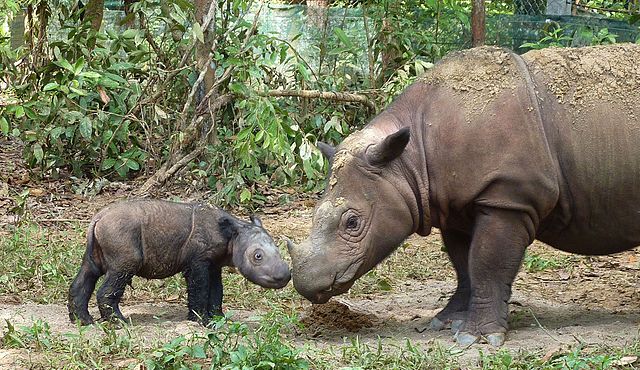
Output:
[[17, 30], [36, 21], [477, 23], [129, 15], [93, 12], [202, 57], [317, 13]]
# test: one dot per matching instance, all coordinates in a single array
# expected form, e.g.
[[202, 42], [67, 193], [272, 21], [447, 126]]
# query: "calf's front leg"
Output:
[[498, 243], [214, 305], [197, 276]]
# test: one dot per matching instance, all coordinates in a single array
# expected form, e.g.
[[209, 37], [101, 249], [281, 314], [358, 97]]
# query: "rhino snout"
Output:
[[275, 278], [282, 277]]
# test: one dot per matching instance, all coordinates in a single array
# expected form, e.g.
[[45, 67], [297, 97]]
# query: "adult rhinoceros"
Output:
[[495, 149]]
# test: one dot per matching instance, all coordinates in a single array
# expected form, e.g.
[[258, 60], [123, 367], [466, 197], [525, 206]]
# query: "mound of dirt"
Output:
[[335, 316]]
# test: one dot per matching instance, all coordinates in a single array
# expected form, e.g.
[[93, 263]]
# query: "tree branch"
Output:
[[328, 95]]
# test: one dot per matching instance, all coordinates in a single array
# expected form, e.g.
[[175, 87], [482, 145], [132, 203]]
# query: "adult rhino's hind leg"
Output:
[[111, 292], [500, 238], [454, 313]]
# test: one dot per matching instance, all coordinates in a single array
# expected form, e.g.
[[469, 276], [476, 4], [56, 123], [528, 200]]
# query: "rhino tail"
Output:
[[93, 255]]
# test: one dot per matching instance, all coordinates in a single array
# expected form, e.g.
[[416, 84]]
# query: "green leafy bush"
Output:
[[121, 101]]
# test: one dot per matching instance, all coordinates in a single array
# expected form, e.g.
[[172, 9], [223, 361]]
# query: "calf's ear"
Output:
[[228, 227], [255, 220], [327, 150], [389, 148]]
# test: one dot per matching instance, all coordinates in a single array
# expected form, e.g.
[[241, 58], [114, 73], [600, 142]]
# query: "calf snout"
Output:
[[284, 276], [279, 277]]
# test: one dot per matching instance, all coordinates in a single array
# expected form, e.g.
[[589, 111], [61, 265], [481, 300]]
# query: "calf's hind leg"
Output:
[[111, 292], [80, 292]]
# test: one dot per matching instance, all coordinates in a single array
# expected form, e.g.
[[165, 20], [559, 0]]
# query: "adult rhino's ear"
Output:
[[255, 220], [327, 150], [228, 227], [389, 148]]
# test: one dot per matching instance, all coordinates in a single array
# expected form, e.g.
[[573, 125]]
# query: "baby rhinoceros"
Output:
[[156, 239]]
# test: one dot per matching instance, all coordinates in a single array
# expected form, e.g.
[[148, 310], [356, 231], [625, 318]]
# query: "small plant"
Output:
[[502, 359], [232, 345], [577, 359], [12, 338], [37, 336], [176, 355], [554, 36], [537, 263], [391, 354]]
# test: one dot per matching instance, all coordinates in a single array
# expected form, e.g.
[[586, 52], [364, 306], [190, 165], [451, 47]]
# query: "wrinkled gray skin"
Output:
[[526, 164], [156, 239]]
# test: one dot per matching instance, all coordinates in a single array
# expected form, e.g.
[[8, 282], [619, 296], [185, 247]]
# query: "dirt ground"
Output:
[[592, 300]]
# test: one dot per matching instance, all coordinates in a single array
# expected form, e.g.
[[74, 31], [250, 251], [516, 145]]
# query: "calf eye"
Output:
[[258, 256]]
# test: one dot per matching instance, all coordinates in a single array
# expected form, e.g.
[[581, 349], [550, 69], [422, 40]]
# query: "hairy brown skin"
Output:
[[156, 239], [495, 150]]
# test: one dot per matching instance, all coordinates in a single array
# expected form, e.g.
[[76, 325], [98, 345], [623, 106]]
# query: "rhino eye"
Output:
[[258, 256], [352, 222]]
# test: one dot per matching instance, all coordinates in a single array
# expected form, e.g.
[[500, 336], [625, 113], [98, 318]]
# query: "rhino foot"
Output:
[[456, 325], [466, 339], [437, 324], [495, 339], [451, 321]]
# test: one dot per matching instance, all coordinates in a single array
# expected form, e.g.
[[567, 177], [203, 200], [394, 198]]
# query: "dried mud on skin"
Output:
[[477, 76], [335, 317], [583, 79]]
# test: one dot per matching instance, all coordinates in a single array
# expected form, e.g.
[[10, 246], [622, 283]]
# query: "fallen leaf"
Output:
[[36, 192], [632, 259], [554, 351], [624, 361], [4, 189], [103, 95]]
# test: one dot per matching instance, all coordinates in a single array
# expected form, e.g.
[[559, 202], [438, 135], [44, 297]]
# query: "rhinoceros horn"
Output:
[[290, 246]]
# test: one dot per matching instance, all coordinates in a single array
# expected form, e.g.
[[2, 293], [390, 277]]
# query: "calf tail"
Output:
[[93, 255]]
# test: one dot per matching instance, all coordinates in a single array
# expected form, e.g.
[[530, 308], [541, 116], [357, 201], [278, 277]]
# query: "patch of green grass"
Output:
[[38, 263], [406, 263], [534, 262], [385, 354], [575, 358], [225, 344]]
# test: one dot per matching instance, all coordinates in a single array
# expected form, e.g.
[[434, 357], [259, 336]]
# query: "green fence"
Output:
[[298, 24]]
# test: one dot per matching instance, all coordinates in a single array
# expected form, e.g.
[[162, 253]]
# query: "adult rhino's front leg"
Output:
[[499, 240], [453, 314]]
